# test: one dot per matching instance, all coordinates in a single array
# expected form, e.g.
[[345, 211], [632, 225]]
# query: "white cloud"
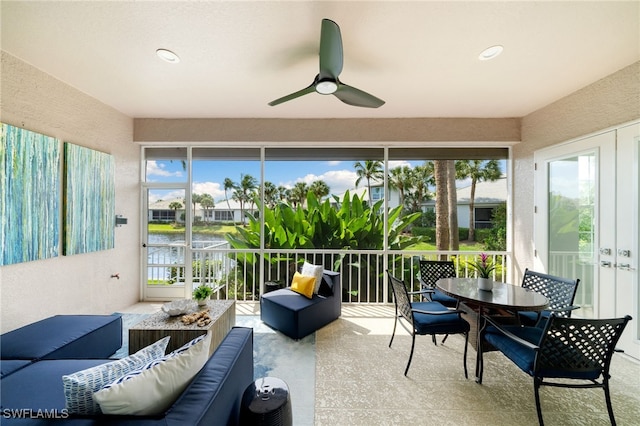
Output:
[[169, 195], [337, 180], [155, 169], [212, 188], [398, 163]]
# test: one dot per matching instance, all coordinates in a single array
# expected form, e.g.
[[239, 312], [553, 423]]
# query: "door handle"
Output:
[[625, 267], [605, 264]]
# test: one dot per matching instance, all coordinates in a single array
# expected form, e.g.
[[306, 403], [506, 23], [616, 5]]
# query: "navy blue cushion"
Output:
[[521, 355], [64, 336], [39, 386], [440, 297], [214, 397], [524, 357], [437, 324], [8, 366], [528, 317]]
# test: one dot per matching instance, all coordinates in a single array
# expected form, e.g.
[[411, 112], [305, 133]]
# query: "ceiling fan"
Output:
[[327, 82]]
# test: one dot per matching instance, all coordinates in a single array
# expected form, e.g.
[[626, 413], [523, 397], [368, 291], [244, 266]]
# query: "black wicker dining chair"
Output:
[[559, 291], [425, 318], [430, 272], [565, 348]]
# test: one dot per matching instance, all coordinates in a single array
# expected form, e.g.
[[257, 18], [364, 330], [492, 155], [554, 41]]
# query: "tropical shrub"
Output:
[[496, 238], [353, 224]]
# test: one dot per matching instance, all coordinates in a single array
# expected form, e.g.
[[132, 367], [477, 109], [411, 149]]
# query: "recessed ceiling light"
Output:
[[490, 52], [167, 55]]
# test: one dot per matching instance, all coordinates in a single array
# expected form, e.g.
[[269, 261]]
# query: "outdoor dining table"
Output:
[[502, 297]]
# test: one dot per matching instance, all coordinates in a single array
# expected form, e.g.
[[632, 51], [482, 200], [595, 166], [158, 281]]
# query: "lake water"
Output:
[[157, 238]]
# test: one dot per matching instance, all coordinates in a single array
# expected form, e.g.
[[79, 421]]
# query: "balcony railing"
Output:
[[241, 274]]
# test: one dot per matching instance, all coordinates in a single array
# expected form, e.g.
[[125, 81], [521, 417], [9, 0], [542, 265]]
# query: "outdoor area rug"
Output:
[[293, 361], [128, 321], [274, 355]]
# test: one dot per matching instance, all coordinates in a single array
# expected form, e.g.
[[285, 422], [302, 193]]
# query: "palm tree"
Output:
[[422, 177], [401, 178], [195, 199], [248, 185], [298, 194], [281, 192], [175, 206], [452, 204], [228, 185], [270, 194], [244, 191], [477, 171], [206, 202], [371, 169], [319, 188], [442, 207]]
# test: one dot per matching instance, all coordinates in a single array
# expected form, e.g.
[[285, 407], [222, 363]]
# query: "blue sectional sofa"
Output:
[[297, 316], [35, 357]]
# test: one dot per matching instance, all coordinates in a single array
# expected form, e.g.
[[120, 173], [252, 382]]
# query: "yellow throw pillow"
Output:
[[303, 284]]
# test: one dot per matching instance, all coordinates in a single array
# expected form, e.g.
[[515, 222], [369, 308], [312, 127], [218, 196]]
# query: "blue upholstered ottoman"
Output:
[[297, 316], [64, 336]]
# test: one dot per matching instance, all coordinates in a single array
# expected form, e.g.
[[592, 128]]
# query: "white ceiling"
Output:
[[236, 56]]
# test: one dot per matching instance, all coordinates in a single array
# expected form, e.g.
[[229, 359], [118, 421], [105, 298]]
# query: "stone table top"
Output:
[[163, 321]]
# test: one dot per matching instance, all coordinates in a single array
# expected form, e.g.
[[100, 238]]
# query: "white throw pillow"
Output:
[[153, 390], [80, 386], [313, 270]]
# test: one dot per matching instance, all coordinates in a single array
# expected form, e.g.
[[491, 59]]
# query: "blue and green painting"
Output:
[[29, 195], [89, 200]]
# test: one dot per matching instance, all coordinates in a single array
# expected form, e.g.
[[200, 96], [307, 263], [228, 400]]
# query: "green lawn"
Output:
[[464, 246], [221, 230], [168, 228]]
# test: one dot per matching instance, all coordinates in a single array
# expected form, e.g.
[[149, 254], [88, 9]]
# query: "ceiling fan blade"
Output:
[[294, 95], [356, 97], [330, 50]]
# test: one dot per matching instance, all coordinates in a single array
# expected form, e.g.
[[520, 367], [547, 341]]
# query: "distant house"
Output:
[[377, 193], [160, 211], [221, 212], [489, 195]]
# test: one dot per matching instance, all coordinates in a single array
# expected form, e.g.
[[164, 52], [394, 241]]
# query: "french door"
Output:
[[586, 223]]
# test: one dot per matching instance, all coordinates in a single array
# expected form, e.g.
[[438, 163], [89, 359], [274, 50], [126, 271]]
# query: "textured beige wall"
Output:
[[328, 130], [81, 283], [604, 104]]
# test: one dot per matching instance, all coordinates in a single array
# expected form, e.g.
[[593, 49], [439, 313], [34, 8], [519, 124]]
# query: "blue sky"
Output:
[[208, 176]]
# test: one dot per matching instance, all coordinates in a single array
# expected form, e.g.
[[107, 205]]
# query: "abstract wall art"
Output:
[[29, 195], [89, 200]]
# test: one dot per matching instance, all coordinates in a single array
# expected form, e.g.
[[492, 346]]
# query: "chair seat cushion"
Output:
[[524, 357], [437, 324], [521, 355], [530, 318], [440, 297]]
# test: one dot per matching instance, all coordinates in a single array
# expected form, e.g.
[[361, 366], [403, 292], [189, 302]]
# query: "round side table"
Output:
[[266, 402]]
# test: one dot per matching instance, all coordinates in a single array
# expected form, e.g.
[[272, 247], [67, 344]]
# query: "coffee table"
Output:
[[160, 324]]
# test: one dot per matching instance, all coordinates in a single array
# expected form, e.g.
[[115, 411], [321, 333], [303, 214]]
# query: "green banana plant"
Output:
[[354, 225]]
